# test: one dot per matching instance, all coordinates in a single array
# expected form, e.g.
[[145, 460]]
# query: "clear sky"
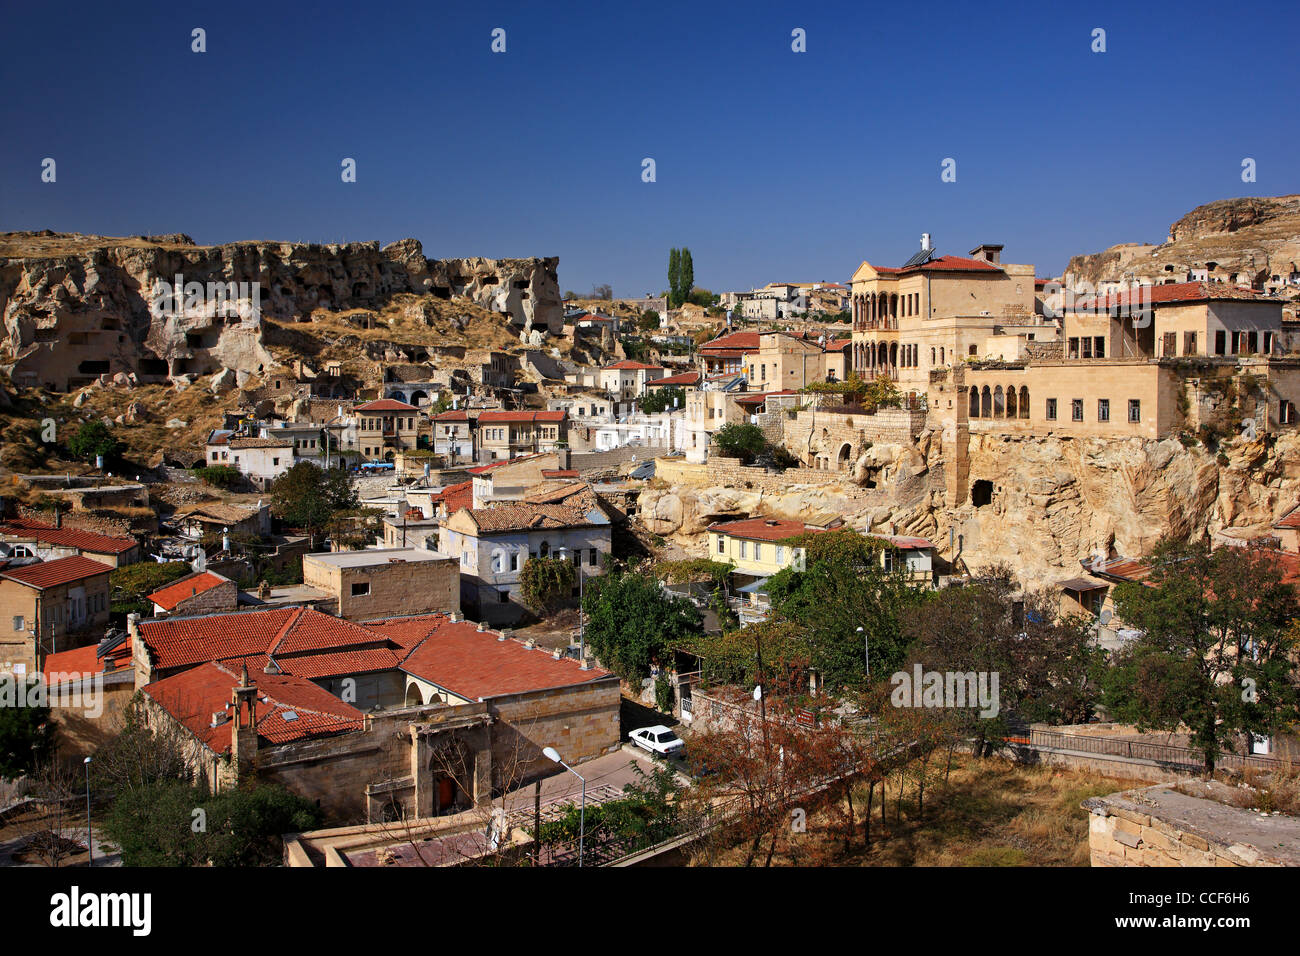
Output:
[[770, 164]]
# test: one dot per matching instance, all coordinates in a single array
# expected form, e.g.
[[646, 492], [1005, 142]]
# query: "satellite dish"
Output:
[[1105, 616]]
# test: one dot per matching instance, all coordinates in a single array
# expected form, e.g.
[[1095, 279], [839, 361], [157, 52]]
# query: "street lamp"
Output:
[[866, 650], [553, 755], [90, 839]]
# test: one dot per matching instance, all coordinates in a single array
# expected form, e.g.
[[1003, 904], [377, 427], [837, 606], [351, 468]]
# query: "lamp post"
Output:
[[553, 755], [866, 650], [90, 839]]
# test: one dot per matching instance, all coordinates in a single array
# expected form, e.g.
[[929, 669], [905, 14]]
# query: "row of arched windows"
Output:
[[997, 403]]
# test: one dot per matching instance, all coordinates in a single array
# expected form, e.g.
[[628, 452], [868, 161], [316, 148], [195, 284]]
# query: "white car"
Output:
[[658, 740]]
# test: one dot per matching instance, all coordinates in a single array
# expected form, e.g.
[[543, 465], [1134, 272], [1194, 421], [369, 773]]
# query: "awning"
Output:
[[754, 587], [1084, 584]]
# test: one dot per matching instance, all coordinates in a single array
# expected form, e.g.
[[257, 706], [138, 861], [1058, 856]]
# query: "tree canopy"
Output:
[[631, 623], [308, 497]]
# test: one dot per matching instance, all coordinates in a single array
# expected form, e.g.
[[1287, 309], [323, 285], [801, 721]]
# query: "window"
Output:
[[18, 622], [1286, 413], [514, 560], [1103, 409], [1268, 343], [1220, 342], [503, 597], [758, 551], [1189, 343], [744, 549], [592, 557], [1099, 346], [1076, 409], [722, 545], [360, 588], [780, 554], [1170, 344], [1074, 347], [1086, 342], [1252, 342], [275, 462], [1134, 411]]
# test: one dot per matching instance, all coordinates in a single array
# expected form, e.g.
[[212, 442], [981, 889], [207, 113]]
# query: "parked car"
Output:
[[658, 740]]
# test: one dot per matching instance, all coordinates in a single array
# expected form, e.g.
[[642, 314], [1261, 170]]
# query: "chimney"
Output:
[[243, 735]]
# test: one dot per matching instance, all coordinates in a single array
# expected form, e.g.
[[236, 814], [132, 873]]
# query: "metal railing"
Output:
[[1171, 754]]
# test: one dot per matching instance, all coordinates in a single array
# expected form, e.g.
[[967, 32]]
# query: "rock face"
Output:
[[1053, 501], [1254, 238], [76, 307]]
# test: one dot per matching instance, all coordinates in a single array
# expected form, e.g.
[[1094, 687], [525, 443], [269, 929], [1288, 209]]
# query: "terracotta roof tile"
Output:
[[386, 405], [48, 574], [67, 537], [763, 529], [186, 587]]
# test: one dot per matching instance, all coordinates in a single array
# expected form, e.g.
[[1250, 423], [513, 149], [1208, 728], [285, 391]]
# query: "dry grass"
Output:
[[990, 813]]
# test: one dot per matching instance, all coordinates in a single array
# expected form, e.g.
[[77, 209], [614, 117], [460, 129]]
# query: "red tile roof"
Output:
[[953, 264], [489, 418], [763, 529], [67, 537], [1165, 294], [48, 574], [386, 405], [287, 709], [456, 497], [192, 584], [85, 660], [476, 664], [1290, 520], [685, 378], [455, 415], [629, 365], [745, 341], [560, 473]]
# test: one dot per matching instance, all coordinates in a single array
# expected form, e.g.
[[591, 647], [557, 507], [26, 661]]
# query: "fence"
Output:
[[1168, 754]]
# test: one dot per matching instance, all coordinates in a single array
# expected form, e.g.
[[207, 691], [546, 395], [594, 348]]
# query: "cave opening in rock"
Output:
[[981, 493]]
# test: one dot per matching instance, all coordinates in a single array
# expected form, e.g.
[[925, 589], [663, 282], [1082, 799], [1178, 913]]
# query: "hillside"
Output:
[[1251, 239]]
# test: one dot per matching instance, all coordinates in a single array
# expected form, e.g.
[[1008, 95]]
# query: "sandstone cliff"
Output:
[[1254, 238], [77, 307], [1055, 501]]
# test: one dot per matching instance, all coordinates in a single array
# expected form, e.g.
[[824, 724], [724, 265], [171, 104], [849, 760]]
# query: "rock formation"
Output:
[[1254, 239], [77, 307]]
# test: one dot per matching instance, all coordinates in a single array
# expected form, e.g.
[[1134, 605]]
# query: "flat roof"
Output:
[[373, 556]]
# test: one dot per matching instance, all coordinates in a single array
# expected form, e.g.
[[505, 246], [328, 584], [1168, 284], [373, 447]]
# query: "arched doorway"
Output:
[[842, 459]]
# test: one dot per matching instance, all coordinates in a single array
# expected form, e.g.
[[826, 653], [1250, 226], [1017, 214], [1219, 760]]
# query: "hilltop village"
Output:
[[369, 527]]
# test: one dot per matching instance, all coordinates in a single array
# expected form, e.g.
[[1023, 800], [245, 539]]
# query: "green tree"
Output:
[[546, 583], [156, 825], [129, 586], [308, 497], [1216, 649], [92, 439], [631, 622], [218, 476], [661, 399], [648, 321], [26, 734], [674, 277], [841, 585], [740, 440], [687, 277], [139, 756]]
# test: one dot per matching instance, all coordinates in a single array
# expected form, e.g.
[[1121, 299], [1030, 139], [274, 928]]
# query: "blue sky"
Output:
[[771, 165]]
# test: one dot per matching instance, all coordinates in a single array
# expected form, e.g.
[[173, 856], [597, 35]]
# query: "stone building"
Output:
[[503, 434], [50, 606], [204, 592], [385, 426], [385, 582], [494, 543], [412, 716], [27, 538]]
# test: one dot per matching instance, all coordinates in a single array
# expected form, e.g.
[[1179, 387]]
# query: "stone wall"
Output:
[[1161, 826]]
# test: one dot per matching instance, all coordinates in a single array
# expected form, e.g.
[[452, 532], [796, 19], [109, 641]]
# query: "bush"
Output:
[[218, 476], [743, 441]]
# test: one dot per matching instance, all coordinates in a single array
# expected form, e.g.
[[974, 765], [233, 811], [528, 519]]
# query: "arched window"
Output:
[[986, 403], [932, 355], [1011, 402], [1024, 401], [999, 402], [942, 360], [974, 402]]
